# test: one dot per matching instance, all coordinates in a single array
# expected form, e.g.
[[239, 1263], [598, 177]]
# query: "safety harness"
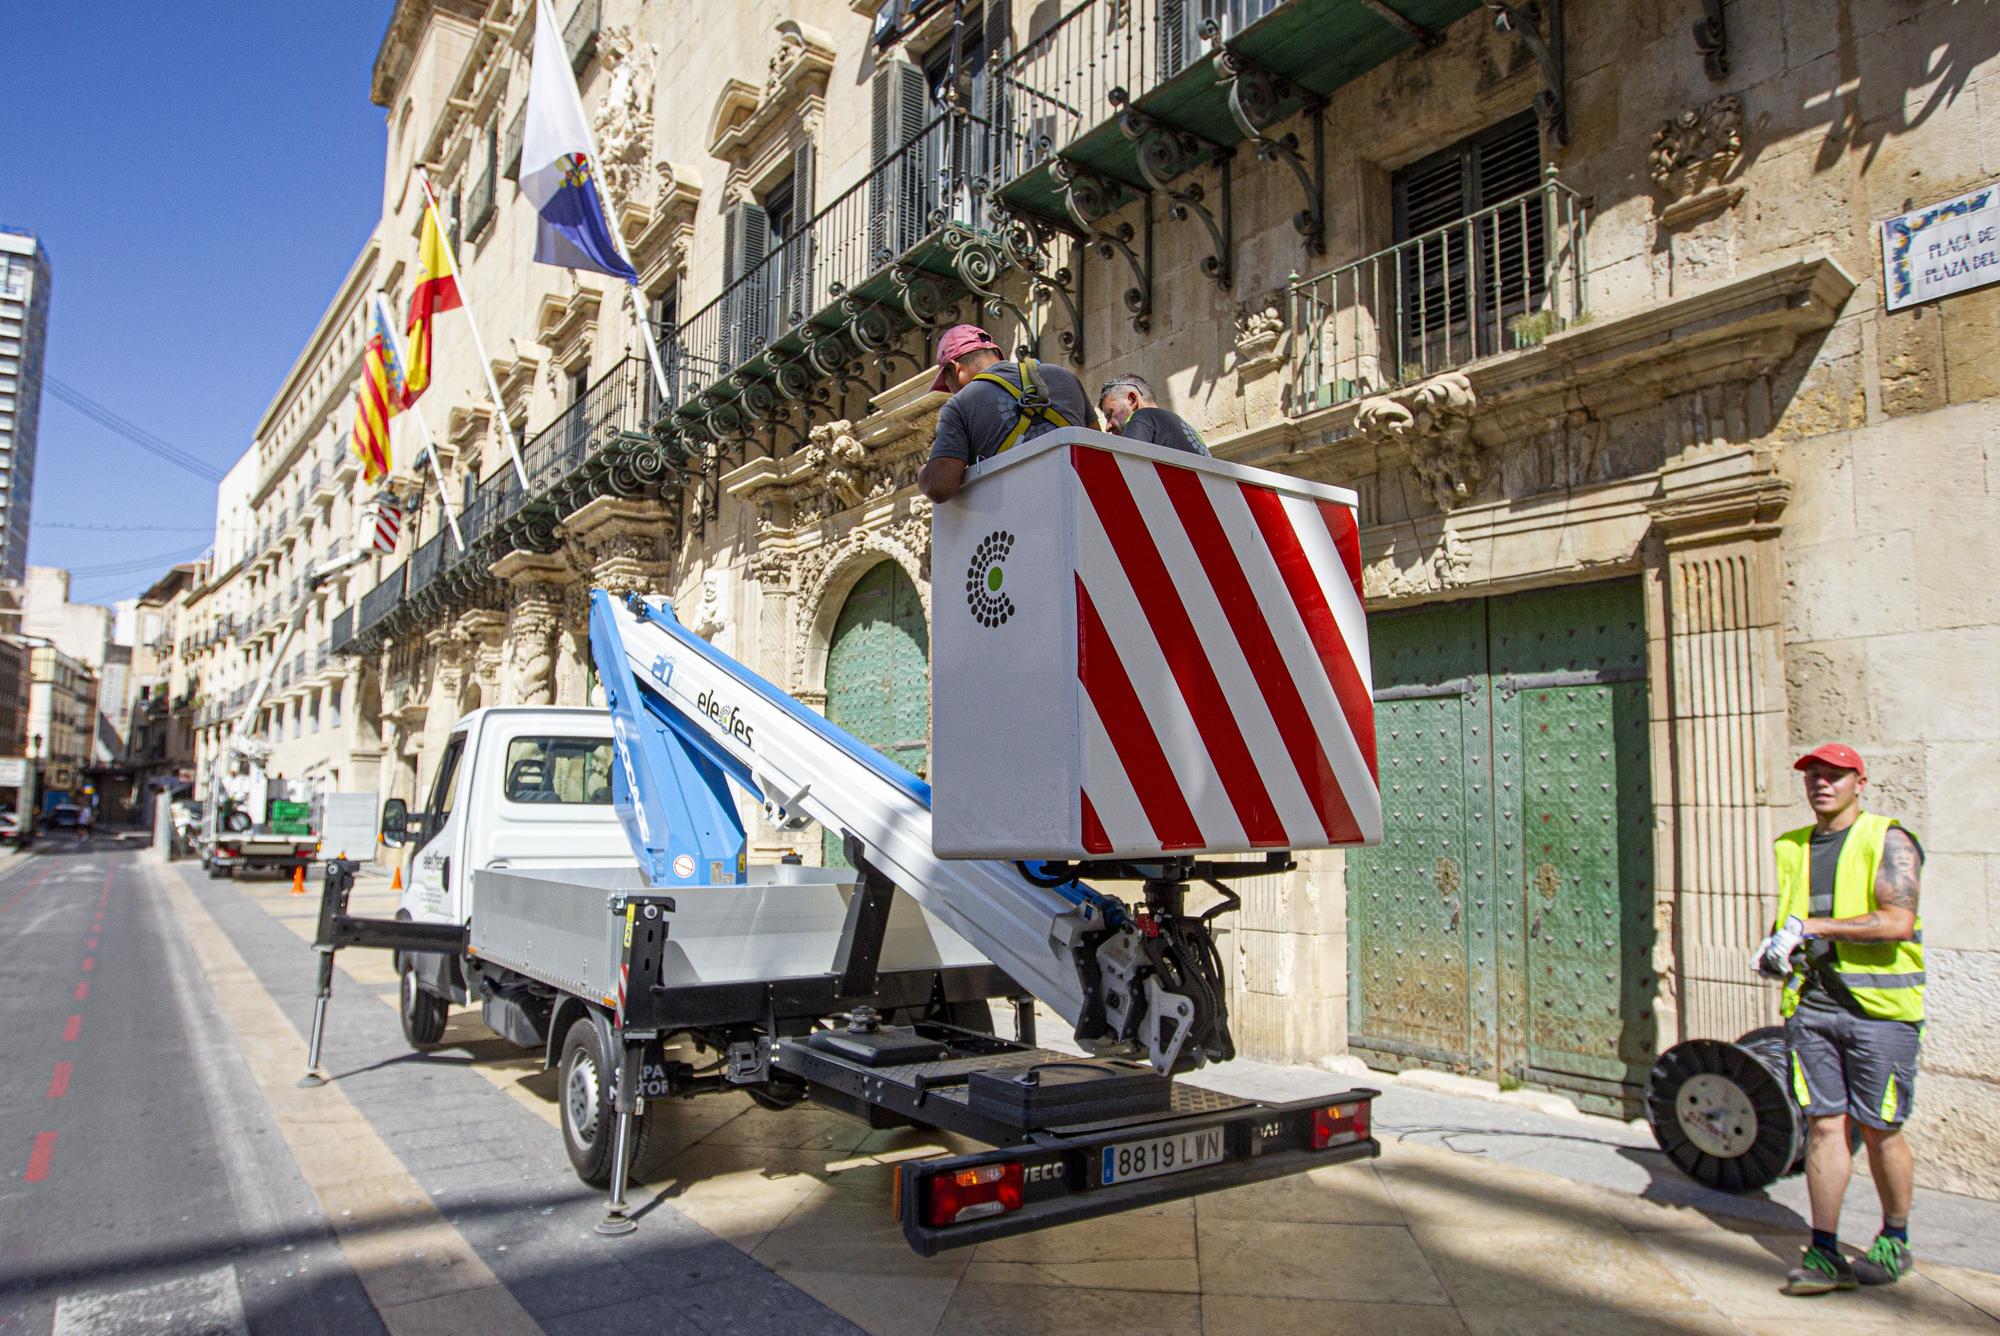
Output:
[[1030, 399]]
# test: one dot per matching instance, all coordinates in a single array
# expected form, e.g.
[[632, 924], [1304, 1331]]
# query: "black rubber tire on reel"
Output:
[[1724, 1112]]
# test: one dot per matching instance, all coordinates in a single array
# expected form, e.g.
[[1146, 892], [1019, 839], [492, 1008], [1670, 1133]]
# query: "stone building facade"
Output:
[[293, 500], [1585, 302]]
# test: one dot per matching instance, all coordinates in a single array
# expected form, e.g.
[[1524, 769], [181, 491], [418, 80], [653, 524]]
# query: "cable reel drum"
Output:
[[1725, 1112]]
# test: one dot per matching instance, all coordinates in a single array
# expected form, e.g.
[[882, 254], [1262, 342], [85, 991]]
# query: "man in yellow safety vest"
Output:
[[1848, 943], [995, 405]]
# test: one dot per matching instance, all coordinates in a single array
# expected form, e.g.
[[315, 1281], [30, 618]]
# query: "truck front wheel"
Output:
[[589, 1112], [423, 1013]]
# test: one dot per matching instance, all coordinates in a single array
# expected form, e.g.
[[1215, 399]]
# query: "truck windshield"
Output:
[[559, 770]]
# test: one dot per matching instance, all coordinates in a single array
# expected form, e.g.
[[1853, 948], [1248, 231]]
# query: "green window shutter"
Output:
[[801, 293], [899, 99], [746, 231]]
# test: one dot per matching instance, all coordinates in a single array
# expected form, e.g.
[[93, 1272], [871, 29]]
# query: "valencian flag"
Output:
[[436, 290], [383, 394], [556, 173]]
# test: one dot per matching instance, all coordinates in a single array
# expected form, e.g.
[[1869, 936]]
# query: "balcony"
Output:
[[1120, 98], [424, 563], [1502, 279], [580, 33], [343, 631], [889, 254], [380, 601]]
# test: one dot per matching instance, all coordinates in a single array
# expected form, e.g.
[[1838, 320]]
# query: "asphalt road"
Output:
[[146, 1184]]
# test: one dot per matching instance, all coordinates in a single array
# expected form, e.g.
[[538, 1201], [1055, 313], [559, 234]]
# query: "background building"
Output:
[[62, 710], [290, 503], [25, 287], [1664, 472]]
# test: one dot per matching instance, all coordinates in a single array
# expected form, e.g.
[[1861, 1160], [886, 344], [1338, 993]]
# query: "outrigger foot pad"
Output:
[[615, 1223], [310, 1081]]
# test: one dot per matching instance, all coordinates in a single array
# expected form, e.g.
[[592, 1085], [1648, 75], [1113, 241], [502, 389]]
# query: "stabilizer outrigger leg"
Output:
[[617, 1218]]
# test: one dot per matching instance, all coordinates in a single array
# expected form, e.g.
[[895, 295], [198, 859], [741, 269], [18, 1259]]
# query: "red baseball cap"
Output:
[[1834, 753], [956, 343]]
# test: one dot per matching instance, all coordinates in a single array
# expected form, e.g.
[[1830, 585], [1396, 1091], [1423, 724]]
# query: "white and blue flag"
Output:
[[556, 171]]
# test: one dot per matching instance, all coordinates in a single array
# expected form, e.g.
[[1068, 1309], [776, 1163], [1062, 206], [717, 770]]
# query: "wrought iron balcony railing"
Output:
[[424, 562], [870, 259], [1504, 278], [380, 601], [343, 630]]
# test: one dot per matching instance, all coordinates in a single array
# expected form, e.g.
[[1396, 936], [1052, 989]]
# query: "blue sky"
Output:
[[202, 176]]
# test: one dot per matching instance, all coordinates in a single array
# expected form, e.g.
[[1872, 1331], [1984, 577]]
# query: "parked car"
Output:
[[63, 816], [11, 831]]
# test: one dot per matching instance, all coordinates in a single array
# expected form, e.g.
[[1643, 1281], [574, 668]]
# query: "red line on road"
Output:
[[89, 964], [59, 1083], [73, 1029], [83, 990], [38, 1159], [91, 945]]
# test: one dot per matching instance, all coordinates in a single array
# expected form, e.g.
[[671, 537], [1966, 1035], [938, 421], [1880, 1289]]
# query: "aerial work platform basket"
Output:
[[1140, 651]]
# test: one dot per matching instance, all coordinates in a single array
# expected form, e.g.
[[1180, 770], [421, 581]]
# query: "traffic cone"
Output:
[[298, 881], [396, 880]]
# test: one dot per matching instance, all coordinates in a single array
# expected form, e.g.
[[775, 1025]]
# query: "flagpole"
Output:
[[430, 442], [478, 344], [543, 14]]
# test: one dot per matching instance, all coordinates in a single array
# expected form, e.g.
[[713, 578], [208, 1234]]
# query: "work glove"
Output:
[[1774, 957]]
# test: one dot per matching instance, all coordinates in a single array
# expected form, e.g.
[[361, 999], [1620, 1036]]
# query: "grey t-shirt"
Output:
[[1823, 862], [976, 420], [1163, 427]]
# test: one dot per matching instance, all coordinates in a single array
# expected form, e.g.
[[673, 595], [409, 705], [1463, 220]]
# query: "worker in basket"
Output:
[[995, 405], [1132, 411], [1853, 1007]]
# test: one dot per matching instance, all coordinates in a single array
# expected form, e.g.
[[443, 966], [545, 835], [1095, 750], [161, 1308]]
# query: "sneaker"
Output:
[[1888, 1260], [1819, 1272]]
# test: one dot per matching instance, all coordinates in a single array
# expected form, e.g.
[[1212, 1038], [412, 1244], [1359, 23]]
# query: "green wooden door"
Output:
[[1569, 707], [878, 674], [1410, 936], [1504, 927]]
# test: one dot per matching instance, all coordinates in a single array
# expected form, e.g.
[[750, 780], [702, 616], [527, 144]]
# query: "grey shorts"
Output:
[[1843, 1063]]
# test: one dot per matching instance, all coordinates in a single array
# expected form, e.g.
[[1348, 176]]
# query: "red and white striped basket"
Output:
[[1137, 651]]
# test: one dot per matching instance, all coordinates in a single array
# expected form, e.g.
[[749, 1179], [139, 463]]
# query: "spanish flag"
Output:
[[436, 290], [383, 394]]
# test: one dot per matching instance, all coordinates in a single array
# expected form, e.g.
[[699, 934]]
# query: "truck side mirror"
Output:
[[395, 822]]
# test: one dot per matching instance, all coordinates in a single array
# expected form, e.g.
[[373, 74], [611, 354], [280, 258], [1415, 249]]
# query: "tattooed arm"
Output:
[[1894, 918]]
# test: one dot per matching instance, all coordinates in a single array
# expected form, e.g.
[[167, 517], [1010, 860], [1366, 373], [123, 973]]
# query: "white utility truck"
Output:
[[237, 833], [1158, 675]]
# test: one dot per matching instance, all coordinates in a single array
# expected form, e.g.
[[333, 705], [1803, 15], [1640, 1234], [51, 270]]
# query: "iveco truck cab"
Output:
[[521, 787]]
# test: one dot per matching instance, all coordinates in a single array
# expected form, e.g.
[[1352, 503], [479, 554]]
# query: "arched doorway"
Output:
[[878, 673]]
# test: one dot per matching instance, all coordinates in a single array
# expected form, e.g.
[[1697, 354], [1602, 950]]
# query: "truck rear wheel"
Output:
[[589, 1112], [423, 1013]]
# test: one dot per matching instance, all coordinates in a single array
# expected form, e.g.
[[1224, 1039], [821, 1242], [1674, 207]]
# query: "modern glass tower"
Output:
[[24, 323]]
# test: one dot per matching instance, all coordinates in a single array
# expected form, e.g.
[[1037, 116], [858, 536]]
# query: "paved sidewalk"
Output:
[[1478, 1217]]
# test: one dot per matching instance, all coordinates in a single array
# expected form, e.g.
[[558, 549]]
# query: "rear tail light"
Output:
[[972, 1194], [231, 850], [306, 850], [1339, 1124]]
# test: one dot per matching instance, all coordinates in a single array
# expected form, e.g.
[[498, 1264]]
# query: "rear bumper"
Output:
[[1261, 1141]]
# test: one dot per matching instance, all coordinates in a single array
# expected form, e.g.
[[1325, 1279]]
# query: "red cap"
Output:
[[956, 343], [1834, 753]]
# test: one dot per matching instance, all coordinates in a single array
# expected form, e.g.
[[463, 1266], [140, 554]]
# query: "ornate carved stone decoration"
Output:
[[1693, 154], [661, 240], [567, 323], [1433, 421], [531, 645], [1400, 574], [624, 119], [835, 458], [795, 76], [1260, 325]]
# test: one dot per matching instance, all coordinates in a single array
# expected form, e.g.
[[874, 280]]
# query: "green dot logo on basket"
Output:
[[986, 578]]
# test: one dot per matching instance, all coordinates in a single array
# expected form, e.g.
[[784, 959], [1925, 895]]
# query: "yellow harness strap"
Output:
[[1028, 397]]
